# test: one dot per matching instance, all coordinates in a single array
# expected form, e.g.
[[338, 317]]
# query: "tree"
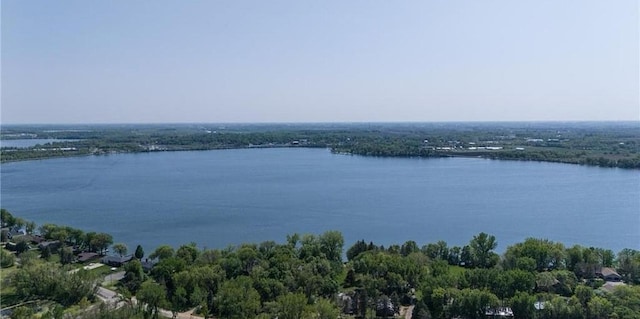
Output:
[[101, 241], [482, 246], [522, 305], [324, 309], [22, 312], [139, 252], [66, 255], [421, 311], [331, 243], [30, 227], [237, 299], [472, 303], [120, 249], [6, 219], [584, 294], [77, 236], [133, 276], [50, 281], [153, 295], [599, 308], [46, 253], [409, 247], [6, 258], [162, 252], [629, 265], [188, 253], [292, 306], [21, 246], [355, 250], [28, 258]]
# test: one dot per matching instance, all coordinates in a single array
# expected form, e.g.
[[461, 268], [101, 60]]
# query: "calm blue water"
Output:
[[218, 198]]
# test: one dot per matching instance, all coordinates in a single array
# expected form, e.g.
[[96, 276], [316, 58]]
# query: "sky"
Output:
[[157, 61]]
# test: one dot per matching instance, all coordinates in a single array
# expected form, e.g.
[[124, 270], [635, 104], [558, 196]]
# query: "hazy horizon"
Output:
[[77, 62]]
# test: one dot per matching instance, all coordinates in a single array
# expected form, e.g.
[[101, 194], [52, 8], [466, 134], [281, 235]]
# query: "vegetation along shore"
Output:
[[604, 144], [55, 271]]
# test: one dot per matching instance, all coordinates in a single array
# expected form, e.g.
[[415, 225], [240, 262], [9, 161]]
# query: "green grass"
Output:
[[456, 270]]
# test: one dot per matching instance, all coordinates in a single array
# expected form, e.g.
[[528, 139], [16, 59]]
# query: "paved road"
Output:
[[116, 276], [111, 297], [108, 296]]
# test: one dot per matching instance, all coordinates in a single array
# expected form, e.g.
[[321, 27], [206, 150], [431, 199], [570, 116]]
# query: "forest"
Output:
[[604, 144], [313, 276]]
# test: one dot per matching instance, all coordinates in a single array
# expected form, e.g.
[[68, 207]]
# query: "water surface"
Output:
[[218, 198]]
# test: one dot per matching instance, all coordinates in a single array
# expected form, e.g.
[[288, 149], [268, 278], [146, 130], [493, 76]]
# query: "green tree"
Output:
[[473, 303], [324, 309], [629, 265], [120, 249], [101, 241], [22, 312], [522, 305], [189, 253], [482, 246], [162, 252], [139, 254], [237, 299], [409, 247], [599, 308], [30, 227], [21, 246], [28, 258], [7, 259], [6, 219], [66, 255], [46, 253], [331, 243], [291, 306], [133, 276], [49, 281], [357, 248], [584, 294], [154, 296]]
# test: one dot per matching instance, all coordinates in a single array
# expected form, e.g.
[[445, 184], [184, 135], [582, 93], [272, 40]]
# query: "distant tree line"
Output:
[[596, 145]]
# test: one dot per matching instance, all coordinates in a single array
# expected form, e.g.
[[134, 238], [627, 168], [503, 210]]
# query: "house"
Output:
[[501, 312], [12, 232], [608, 274], [116, 261], [51, 244], [36, 239], [610, 286], [147, 264], [86, 256]]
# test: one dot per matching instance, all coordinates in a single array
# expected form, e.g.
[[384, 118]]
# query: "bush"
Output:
[[6, 259]]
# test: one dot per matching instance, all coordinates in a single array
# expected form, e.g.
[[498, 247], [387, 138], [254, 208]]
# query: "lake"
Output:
[[227, 197]]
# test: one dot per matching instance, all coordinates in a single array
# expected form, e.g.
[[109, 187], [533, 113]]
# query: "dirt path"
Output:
[[182, 315], [406, 312]]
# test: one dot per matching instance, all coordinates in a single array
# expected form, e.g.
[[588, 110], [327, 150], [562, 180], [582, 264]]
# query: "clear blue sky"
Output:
[[319, 61]]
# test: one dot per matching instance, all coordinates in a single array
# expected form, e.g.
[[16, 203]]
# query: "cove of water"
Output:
[[221, 198]]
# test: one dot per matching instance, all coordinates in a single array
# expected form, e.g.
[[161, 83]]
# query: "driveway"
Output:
[[116, 276]]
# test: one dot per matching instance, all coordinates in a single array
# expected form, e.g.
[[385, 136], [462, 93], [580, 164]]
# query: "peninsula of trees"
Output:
[[606, 144], [307, 276]]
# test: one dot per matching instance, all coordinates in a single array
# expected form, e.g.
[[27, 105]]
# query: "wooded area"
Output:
[[615, 144], [306, 276]]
